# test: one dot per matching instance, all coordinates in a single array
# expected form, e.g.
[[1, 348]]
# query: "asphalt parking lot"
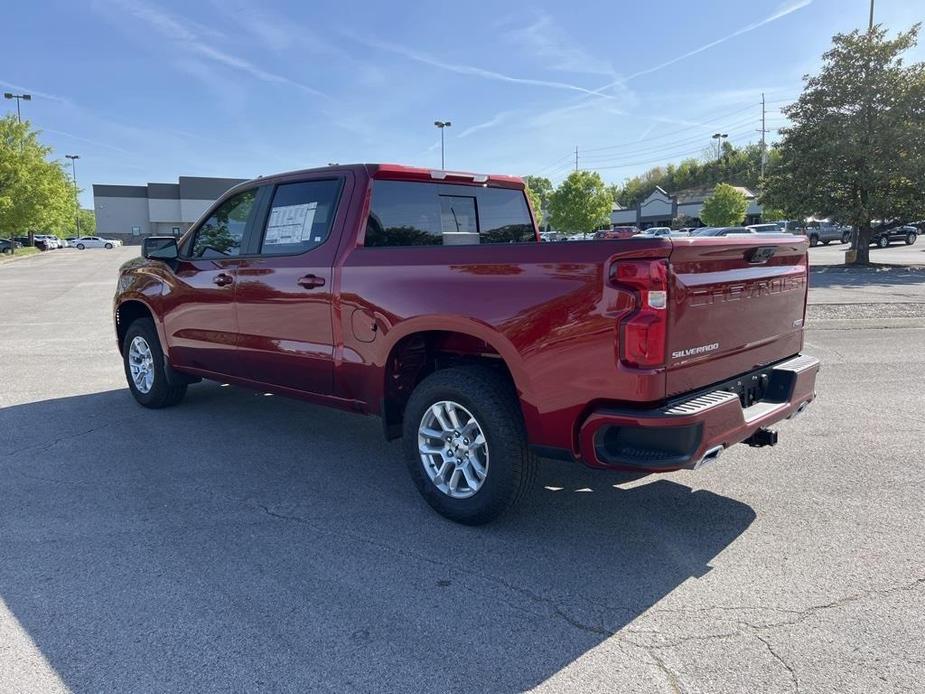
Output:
[[897, 253], [248, 543]]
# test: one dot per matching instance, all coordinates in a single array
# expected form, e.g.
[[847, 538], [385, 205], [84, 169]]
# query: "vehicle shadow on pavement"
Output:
[[242, 541]]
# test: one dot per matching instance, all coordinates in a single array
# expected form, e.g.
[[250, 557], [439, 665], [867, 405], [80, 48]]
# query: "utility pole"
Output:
[[870, 24], [74, 158], [576, 157], [764, 130]]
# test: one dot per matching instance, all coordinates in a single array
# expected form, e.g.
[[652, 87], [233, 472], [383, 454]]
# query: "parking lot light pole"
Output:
[[19, 98], [719, 137], [74, 158], [442, 124]]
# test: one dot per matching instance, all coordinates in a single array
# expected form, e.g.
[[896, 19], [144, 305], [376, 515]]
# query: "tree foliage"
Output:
[[36, 194], [724, 208], [539, 188], [581, 203], [738, 166], [856, 149]]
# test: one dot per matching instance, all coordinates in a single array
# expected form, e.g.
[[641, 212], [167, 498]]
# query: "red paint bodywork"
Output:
[[549, 311]]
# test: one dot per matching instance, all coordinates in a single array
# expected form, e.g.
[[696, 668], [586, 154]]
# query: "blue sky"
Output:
[[150, 90]]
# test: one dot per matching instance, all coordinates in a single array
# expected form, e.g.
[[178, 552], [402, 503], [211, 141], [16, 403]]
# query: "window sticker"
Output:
[[290, 223]]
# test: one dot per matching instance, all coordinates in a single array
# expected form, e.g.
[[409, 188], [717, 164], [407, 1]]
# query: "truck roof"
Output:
[[403, 172]]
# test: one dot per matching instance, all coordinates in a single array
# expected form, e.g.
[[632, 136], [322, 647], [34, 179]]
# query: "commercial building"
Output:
[[130, 213], [660, 207]]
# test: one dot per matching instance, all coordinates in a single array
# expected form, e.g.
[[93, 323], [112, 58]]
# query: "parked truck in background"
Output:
[[426, 298]]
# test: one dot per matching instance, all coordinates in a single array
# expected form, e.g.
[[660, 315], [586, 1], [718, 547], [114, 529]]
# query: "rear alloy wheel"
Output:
[[108, 245], [144, 367], [910, 238], [883, 241], [466, 445], [80, 246]]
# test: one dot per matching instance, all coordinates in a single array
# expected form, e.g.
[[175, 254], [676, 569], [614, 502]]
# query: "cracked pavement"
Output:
[[250, 543]]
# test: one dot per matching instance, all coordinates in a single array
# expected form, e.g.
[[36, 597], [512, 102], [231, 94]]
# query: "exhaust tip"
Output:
[[711, 456]]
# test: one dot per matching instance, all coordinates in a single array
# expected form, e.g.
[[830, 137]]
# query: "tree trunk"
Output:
[[863, 245]]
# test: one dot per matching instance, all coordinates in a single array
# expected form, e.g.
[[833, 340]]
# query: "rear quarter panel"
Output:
[[544, 308]]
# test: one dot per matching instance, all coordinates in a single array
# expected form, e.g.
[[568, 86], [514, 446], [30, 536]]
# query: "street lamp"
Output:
[[74, 158], [442, 124], [18, 97], [719, 137]]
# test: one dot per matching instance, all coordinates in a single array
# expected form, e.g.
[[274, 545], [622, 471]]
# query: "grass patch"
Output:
[[20, 253]]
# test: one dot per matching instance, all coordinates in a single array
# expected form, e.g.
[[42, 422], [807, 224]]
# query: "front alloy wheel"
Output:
[[453, 449], [141, 364], [883, 242]]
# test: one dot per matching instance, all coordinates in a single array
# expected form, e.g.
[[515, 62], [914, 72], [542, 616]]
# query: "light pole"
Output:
[[18, 97], [442, 124], [719, 137], [74, 158]]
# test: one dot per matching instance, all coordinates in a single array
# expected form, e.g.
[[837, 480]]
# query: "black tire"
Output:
[[162, 393], [846, 237], [883, 241], [910, 238], [492, 400], [825, 243], [80, 246], [813, 240], [108, 245]]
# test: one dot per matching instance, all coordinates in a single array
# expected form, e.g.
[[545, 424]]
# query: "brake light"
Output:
[[644, 333]]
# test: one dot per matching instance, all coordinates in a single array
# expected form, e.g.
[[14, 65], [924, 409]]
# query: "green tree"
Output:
[[581, 203], [35, 193], [87, 222], [724, 208], [539, 188], [856, 149]]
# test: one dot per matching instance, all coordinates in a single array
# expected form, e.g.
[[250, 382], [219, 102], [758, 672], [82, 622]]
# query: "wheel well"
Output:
[[416, 356], [128, 312]]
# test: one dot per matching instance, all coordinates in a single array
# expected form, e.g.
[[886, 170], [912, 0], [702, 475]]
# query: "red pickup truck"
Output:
[[426, 298]]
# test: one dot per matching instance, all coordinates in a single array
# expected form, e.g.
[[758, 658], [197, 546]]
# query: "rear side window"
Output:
[[300, 217], [406, 213]]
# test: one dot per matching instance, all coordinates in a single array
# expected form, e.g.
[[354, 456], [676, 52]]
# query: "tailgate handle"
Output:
[[759, 255]]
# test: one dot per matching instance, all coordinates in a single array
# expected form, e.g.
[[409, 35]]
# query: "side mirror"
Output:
[[160, 248]]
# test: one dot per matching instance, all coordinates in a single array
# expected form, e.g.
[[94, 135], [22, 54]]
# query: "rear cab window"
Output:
[[300, 217], [409, 213]]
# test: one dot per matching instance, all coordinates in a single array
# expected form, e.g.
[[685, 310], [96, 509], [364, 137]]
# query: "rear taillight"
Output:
[[644, 333]]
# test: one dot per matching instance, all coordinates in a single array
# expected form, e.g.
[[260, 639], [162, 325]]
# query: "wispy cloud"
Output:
[[86, 140], [472, 70], [188, 37], [545, 40], [782, 11], [497, 120]]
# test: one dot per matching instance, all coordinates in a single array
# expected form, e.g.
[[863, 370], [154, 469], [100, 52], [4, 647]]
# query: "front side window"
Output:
[[405, 213], [221, 234], [300, 217]]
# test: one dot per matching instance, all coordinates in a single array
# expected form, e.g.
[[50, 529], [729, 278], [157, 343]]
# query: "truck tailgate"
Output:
[[735, 304]]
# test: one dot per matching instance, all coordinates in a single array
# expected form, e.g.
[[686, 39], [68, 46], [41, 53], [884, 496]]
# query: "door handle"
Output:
[[311, 281], [222, 279]]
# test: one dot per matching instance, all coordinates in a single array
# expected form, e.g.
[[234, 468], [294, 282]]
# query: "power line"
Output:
[[740, 129]]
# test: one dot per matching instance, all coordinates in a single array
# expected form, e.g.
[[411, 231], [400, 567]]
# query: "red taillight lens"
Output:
[[644, 333]]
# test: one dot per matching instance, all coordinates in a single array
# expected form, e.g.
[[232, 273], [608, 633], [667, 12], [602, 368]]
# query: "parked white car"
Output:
[[51, 242], [95, 242]]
